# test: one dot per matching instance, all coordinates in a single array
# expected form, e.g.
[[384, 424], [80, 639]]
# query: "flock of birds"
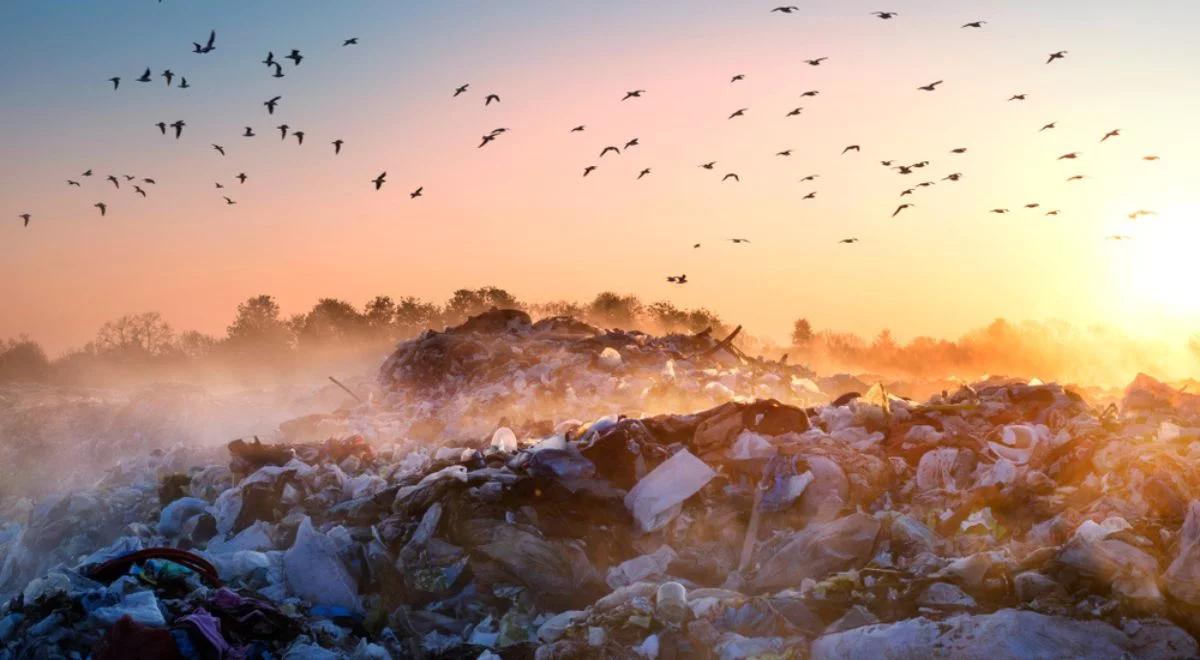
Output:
[[295, 57]]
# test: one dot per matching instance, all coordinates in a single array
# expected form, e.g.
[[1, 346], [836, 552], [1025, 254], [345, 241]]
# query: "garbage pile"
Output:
[[1002, 520]]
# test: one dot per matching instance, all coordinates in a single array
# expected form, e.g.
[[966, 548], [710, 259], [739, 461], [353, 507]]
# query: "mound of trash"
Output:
[[1002, 520]]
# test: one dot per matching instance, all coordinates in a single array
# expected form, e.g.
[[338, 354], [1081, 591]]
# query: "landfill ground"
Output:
[[549, 490]]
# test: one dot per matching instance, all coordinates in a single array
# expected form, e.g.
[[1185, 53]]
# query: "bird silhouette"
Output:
[[1054, 212], [1018, 97], [115, 183], [975, 24], [145, 78], [959, 150], [486, 139], [489, 98], [25, 217], [632, 143], [737, 78], [1120, 237], [207, 47], [709, 165], [731, 175], [1150, 158], [299, 135], [810, 177], [294, 56], [953, 177], [904, 169], [848, 241], [739, 113], [352, 41], [103, 208], [183, 83], [853, 147], [1032, 205], [283, 130], [129, 177], [138, 190], [229, 202], [608, 149], [1056, 56], [696, 246], [589, 169], [241, 177], [87, 173], [169, 76], [885, 15], [271, 103], [270, 61], [150, 181], [219, 186], [116, 81], [901, 208], [810, 93], [1141, 213], [795, 112], [416, 193], [785, 10], [578, 129], [1077, 177], [811, 195], [249, 132], [1071, 156], [379, 180], [219, 149], [337, 147], [278, 71], [907, 192], [72, 183], [1049, 126], [999, 211], [785, 152], [677, 279], [926, 184], [816, 62], [931, 86], [886, 163], [643, 173], [178, 126], [635, 94], [1111, 134], [737, 241], [162, 127]]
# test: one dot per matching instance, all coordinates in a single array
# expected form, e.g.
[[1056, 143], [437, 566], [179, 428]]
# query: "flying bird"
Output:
[[178, 126], [959, 150], [416, 193], [785, 10], [103, 208], [848, 241], [1057, 56], [219, 149], [162, 127], [352, 41], [299, 136], [578, 129], [1141, 213], [785, 152], [1120, 237], [337, 147], [1054, 212], [294, 56], [1033, 205], [816, 62], [1077, 177], [731, 175], [219, 186], [811, 92], [739, 113], [1150, 158], [589, 169], [229, 202], [608, 149], [737, 78], [709, 165], [283, 129], [25, 217], [278, 71], [145, 76], [905, 193], [489, 98], [462, 89], [931, 86], [241, 177], [271, 103], [999, 211], [379, 180], [270, 61], [643, 173], [953, 177], [150, 181], [1111, 134], [926, 184], [853, 147], [249, 132], [736, 241], [1071, 156], [810, 177], [116, 81], [169, 75], [138, 190], [72, 183], [87, 173], [795, 112], [885, 15], [207, 47], [486, 139], [696, 246], [635, 94], [901, 208], [1018, 97], [811, 195], [129, 177], [183, 83], [974, 24], [677, 279], [115, 183], [1049, 126]]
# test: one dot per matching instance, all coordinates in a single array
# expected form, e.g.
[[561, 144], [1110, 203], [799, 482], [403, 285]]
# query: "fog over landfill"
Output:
[[599, 329]]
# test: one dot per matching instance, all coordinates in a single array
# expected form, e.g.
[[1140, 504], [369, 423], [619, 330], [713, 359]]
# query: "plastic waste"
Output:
[[315, 571], [657, 497]]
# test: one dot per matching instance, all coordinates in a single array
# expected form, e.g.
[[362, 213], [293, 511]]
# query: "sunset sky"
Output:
[[518, 214]]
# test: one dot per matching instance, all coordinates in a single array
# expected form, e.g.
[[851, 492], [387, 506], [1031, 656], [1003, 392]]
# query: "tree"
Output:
[[414, 315], [380, 315], [330, 320], [610, 308], [469, 302], [135, 336], [258, 326], [802, 333], [22, 359], [195, 344]]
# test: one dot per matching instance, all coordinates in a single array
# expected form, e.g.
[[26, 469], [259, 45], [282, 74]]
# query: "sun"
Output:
[[1162, 267]]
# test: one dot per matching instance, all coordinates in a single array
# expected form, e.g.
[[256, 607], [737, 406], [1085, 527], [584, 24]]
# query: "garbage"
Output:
[[512, 496]]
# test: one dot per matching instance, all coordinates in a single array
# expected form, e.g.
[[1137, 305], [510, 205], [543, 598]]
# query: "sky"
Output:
[[518, 214]]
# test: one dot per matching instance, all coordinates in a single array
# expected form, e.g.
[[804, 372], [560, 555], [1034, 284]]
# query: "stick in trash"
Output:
[[348, 390]]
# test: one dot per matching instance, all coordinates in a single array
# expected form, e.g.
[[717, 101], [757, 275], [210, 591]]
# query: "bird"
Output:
[[632, 143], [486, 139], [886, 163], [1018, 97], [103, 208], [1056, 56], [115, 183], [907, 192], [87, 173], [278, 71], [145, 76], [904, 169], [677, 279], [1120, 237], [219, 186], [178, 126], [229, 202], [379, 180], [795, 112], [294, 56], [1141, 213], [337, 146], [241, 177], [162, 127], [974, 24], [416, 193], [739, 113], [811, 195], [129, 177], [696, 246], [299, 136], [635, 94], [578, 129], [150, 181], [709, 165], [1054, 212], [283, 129], [885, 15], [207, 47], [138, 190], [643, 173], [352, 41], [1049, 126], [731, 175], [926, 184], [72, 183], [737, 241], [249, 132], [785, 10], [785, 152], [25, 217], [1111, 134], [1150, 158], [920, 164], [608, 149], [271, 103], [810, 177], [959, 150], [1032, 205], [931, 86], [811, 92], [219, 149], [489, 98], [270, 61], [953, 177], [1071, 156], [461, 89], [169, 75], [816, 62], [848, 241], [853, 147], [116, 81], [737, 78], [183, 83], [589, 169], [999, 211], [901, 208], [1077, 177]]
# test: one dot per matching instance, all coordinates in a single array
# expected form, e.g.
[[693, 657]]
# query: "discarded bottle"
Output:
[[671, 603]]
